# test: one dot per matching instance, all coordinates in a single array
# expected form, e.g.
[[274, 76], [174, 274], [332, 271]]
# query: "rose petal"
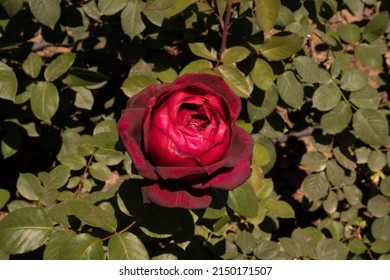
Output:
[[130, 130], [169, 194], [240, 148], [230, 176]]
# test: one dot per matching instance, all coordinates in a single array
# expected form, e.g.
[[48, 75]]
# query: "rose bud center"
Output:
[[188, 130]]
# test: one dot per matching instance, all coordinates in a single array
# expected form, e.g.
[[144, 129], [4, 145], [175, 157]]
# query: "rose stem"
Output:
[[225, 29]]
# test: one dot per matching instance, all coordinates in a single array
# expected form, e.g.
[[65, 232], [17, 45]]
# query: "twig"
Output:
[[119, 232], [85, 174]]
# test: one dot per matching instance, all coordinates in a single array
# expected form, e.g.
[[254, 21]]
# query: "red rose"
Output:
[[183, 140]]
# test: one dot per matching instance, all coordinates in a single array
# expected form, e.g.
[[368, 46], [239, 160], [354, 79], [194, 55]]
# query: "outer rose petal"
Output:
[[130, 130], [169, 194]]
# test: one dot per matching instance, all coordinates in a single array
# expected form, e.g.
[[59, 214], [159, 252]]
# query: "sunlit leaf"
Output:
[[126, 246], [82, 247], [262, 74], [59, 66], [371, 127], [47, 12], [281, 47], [24, 230], [131, 20], [290, 90], [8, 82], [267, 13], [108, 7]]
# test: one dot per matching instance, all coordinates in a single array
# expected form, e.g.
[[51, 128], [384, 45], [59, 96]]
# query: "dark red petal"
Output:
[[130, 130], [218, 85], [240, 148], [168, 194]]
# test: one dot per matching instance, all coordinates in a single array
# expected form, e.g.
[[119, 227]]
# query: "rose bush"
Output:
[[183, 140]]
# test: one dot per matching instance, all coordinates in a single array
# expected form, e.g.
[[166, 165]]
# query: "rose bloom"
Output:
[[183, 140]]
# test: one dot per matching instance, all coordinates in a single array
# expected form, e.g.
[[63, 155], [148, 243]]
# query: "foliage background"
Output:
[[314, 79]]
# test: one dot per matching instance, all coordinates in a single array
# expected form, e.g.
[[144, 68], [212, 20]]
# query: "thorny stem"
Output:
[[225, 28], [219, 18], [119, 232]]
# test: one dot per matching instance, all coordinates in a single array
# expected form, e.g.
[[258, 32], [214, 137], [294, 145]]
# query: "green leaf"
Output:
[[29, 186], [8, 82], [353, 80], [236, 80], [376, 27], [246, 242], [131, 20], [109, 7], [326, 97], [385, 186], [107, 125], [290, 90], [335, 173], [100, 171], [24, 230], [32, 65], [81, 77], [234, 54], [109, 157], [367, 97], [57, 178], [376, 161], [104, 140], [357, 246], [47, 12], [280, 209], [59, 66], [91, 214], [126, 246], [379, 206], [197, 66], [201, 50], [331, 249], [353, 195], [44, 100], [316, 186], [281, 47], [380, 246], [262, 74], [12, 6], [260, 156], [291, 247], [82, 247], [344, 157], [371, 127], [84, 98], [262, 104], [243, 200], [159, 4], [266, 250], [336, 120], [369, 56], [310, 72], [267, 13], [178, 7], [56, 241], [330, 203], [380, 228], [314, 161], [167, 75], [349, 33], [134, 84], [4, 197]]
